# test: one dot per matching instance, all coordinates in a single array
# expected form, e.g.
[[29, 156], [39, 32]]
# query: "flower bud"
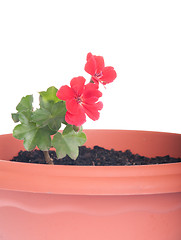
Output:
[[76, 128]]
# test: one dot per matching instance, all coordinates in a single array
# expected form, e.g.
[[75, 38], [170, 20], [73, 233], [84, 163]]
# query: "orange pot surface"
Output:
[[39, 202]]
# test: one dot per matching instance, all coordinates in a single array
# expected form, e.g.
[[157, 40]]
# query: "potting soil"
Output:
[[96, 156]]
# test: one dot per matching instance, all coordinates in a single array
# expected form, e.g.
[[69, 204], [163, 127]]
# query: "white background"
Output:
[[45, 43]]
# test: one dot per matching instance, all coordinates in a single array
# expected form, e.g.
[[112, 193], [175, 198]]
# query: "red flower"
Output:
[[80, 99], [96, 68]]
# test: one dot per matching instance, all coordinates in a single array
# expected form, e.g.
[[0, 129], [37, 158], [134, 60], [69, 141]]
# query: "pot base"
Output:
[[49, 216]]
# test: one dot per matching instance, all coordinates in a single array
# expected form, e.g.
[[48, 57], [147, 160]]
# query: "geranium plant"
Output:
[[66, 107]]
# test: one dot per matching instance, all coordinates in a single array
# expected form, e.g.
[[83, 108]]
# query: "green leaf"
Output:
[[53, 117], [33, 136], [25, 103], [43, 139], [25, 116], [15, 117], [37, 127], [58, 109], [54, 124], [67, 144], [48, 98], [26, 133], [50, 95], [41, 117], [57, 115], [46, 104]]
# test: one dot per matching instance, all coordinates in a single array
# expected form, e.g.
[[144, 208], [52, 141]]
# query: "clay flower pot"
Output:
[[39, 202]]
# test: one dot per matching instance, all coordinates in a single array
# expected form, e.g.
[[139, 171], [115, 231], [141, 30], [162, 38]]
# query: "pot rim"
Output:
[[92, 180]]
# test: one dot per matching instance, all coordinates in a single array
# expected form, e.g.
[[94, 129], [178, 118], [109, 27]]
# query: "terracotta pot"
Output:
[[39, 202]]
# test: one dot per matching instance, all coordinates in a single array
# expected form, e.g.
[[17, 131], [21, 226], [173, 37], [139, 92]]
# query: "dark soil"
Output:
[[97, 156]]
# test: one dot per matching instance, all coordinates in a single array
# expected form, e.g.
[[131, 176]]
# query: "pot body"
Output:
[[39, 202]]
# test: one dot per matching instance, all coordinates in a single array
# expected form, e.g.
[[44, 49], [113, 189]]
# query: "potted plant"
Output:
[[44, 201]]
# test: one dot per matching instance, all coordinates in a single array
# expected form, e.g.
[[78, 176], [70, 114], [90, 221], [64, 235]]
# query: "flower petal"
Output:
[[99, 63], [92, 110], [90, 66], [99, 105], [91, 100], [109, 74], [73, 106], [91, 90], [65, 93], [89, 55], [75, 119], [77, 84], [94, 65], [91, 86]]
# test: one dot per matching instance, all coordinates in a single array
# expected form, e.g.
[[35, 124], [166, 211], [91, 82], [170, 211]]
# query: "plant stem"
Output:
[[48, 159], [91, 81]]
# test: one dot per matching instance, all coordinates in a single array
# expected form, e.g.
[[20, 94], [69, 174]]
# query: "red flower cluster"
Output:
[[96, 68], [82, 99]]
